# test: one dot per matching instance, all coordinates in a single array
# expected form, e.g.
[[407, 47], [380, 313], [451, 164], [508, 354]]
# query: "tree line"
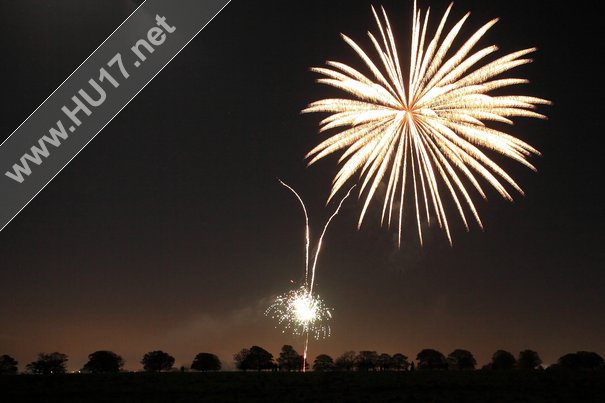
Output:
[[257, 358], [105, 362]]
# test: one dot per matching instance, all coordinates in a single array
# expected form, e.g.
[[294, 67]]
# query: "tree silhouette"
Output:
[[323, 363], [366, 360], [289, 359], [528, 359], [399, 362], [461, 360], [46, 364], [8, 365], [385, 362], [256, 358], [102, 362], [240, 359], [503, 360], [582, 360], [346, 361], [431, 359], [156, 361], [206, 362]]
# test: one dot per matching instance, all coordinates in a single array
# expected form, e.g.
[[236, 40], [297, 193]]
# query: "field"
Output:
[[418, 386]]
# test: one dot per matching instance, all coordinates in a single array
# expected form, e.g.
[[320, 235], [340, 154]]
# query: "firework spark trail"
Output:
[[305, 351], [425, 132], [307, 231], [300, 310], [322, 237], [307, 234]]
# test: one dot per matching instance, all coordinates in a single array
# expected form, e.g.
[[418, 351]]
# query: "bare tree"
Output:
[[103, 362], [289, 359], [385, 362], [240, 359], [157, 361], [528, 359], [323, 363], [399, 362], [366, 360], [53, 363], [431, 359], [503, 360], [256, 358], [583, 360], [8, 365], [346, 361], [461, 360], [206, 362]]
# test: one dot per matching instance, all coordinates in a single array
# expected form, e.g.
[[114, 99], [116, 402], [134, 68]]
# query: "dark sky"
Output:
[[170, 231]]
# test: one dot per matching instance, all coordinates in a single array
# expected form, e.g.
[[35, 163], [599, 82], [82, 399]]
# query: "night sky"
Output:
[[170, 231]]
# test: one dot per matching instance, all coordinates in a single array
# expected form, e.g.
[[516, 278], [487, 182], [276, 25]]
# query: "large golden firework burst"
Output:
[[424, 130]]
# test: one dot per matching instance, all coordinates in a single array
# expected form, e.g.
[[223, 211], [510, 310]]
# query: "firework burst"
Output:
[[301, 312], [423, 130]]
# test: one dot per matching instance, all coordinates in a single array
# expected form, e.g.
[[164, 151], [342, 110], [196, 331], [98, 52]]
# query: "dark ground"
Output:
[[476, 386]]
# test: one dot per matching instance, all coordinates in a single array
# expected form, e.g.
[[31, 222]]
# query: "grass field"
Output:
[[418, 386]]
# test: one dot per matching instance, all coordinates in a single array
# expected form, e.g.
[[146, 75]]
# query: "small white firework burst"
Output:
[[301, 312]]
